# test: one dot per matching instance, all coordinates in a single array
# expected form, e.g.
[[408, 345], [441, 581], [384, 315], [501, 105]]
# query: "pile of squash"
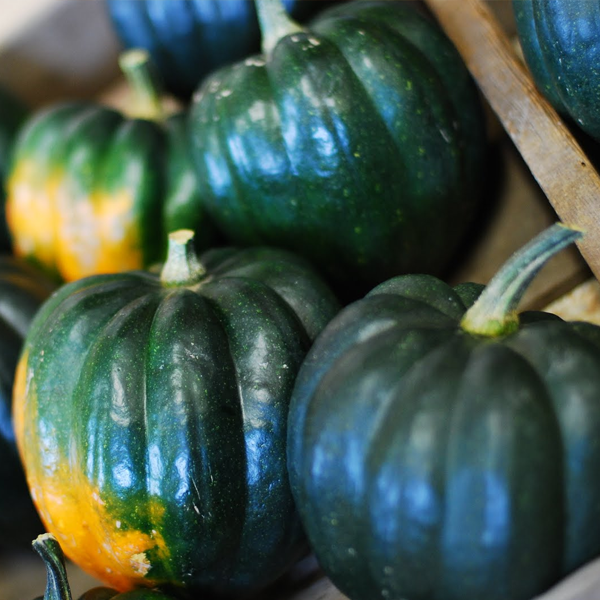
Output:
[[229, 341]]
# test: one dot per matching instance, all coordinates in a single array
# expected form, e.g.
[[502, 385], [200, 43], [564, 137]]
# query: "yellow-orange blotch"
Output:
[[74, 234], [74, 511]]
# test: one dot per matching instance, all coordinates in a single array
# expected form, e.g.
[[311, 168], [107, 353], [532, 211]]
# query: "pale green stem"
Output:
[[182, 266], [57, 584], [143, 81], [494, 313], [275, 23]]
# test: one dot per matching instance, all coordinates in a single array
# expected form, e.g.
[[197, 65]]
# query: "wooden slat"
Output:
[[555, 158]]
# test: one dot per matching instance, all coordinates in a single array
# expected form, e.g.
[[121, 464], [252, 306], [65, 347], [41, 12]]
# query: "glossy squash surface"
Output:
[[22, 291], [105, 189], [439, 450], [187, 39], [561, 44], [165, 461], [357, 141]]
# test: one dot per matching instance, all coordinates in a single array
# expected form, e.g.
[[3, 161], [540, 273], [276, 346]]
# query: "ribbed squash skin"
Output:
[[561, 45], [358, 143], [189, 38], [92, 191], [431, 464], [12, 114], [22, 291], [164, 462]]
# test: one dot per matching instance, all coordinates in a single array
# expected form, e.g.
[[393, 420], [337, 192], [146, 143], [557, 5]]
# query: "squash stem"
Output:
[[275, 23], [182, 267], [494, 313], [57, 584], [144, 83]]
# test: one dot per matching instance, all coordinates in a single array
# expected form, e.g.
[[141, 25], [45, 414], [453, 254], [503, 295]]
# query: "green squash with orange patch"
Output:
[[164, 460], [92, 190]]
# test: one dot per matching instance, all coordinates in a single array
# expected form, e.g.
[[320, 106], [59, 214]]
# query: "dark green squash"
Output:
[[22, 291], [189, 38], [444, 447], [92, 190], [12, 114], [164, 463], [357, 142], [57, 585], [561, 44]]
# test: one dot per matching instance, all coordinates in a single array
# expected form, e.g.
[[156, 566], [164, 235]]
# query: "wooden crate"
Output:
[[68, 50]]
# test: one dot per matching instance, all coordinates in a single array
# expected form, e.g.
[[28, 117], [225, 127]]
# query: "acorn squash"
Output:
[[164, 463], [357, 142], [444, 447], [104, 188]]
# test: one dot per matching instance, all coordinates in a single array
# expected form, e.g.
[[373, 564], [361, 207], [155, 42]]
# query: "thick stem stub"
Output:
[[494, 313], [275, 23], [182, 267], [144, 83]]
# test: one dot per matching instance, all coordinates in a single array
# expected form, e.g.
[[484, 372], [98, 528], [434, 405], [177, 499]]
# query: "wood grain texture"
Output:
[[555, 158]]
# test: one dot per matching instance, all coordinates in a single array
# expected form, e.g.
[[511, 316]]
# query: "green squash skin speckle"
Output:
[[173, 419], [561, 46], [429, 463], [359, 144]]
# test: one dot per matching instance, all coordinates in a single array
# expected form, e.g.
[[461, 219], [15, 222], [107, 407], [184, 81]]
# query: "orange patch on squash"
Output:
[[76, 514], [73, 509], [19, 399], [75, 234], [99, 234], [31, 213]]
